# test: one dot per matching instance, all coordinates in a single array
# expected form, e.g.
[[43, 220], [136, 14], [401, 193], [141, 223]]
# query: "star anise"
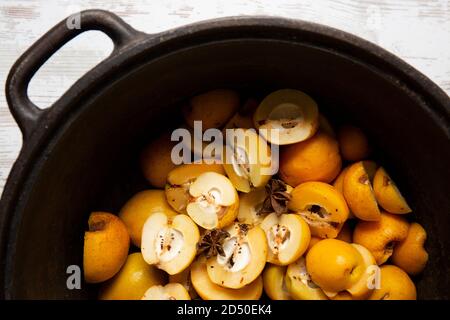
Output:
[[277, 198], [243, 228], [211, 243]]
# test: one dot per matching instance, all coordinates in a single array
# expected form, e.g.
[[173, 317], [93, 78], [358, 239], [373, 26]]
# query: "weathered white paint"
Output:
[[416, 30]]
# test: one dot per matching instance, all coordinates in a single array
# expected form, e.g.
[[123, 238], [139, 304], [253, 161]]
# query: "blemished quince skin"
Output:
[[106, 245], [380, 237]]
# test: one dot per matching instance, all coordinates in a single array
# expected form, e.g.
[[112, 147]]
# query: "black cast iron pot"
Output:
[[80, 154]]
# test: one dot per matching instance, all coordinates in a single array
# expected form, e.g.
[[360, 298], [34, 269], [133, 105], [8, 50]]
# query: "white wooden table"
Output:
[[416, 30]]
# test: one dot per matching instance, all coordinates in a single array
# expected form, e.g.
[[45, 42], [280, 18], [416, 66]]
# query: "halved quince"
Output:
[[299, 283], [246, 159], [208, 290], [274, 284], [243, 259], [338, 183], [180, 179], [213, 201], [249, 206], [361, 290], [322, 206], [169, 243], [358, 191], [184, 278], [387, 193], [292, 113], [288, 237], [171, 291], [338, 266]]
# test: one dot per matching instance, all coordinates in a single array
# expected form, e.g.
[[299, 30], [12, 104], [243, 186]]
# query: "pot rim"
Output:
[[133, 54]]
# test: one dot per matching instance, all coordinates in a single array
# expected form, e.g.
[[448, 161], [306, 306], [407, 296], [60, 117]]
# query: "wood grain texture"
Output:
[[416, 30]]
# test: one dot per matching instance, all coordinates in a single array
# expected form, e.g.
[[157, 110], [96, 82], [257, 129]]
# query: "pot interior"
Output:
[[91, 164]]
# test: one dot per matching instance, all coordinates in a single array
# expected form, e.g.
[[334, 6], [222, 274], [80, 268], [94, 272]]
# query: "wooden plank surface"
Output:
[[416, 30]]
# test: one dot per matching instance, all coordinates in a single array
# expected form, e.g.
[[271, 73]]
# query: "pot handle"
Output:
[[25, 112]]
